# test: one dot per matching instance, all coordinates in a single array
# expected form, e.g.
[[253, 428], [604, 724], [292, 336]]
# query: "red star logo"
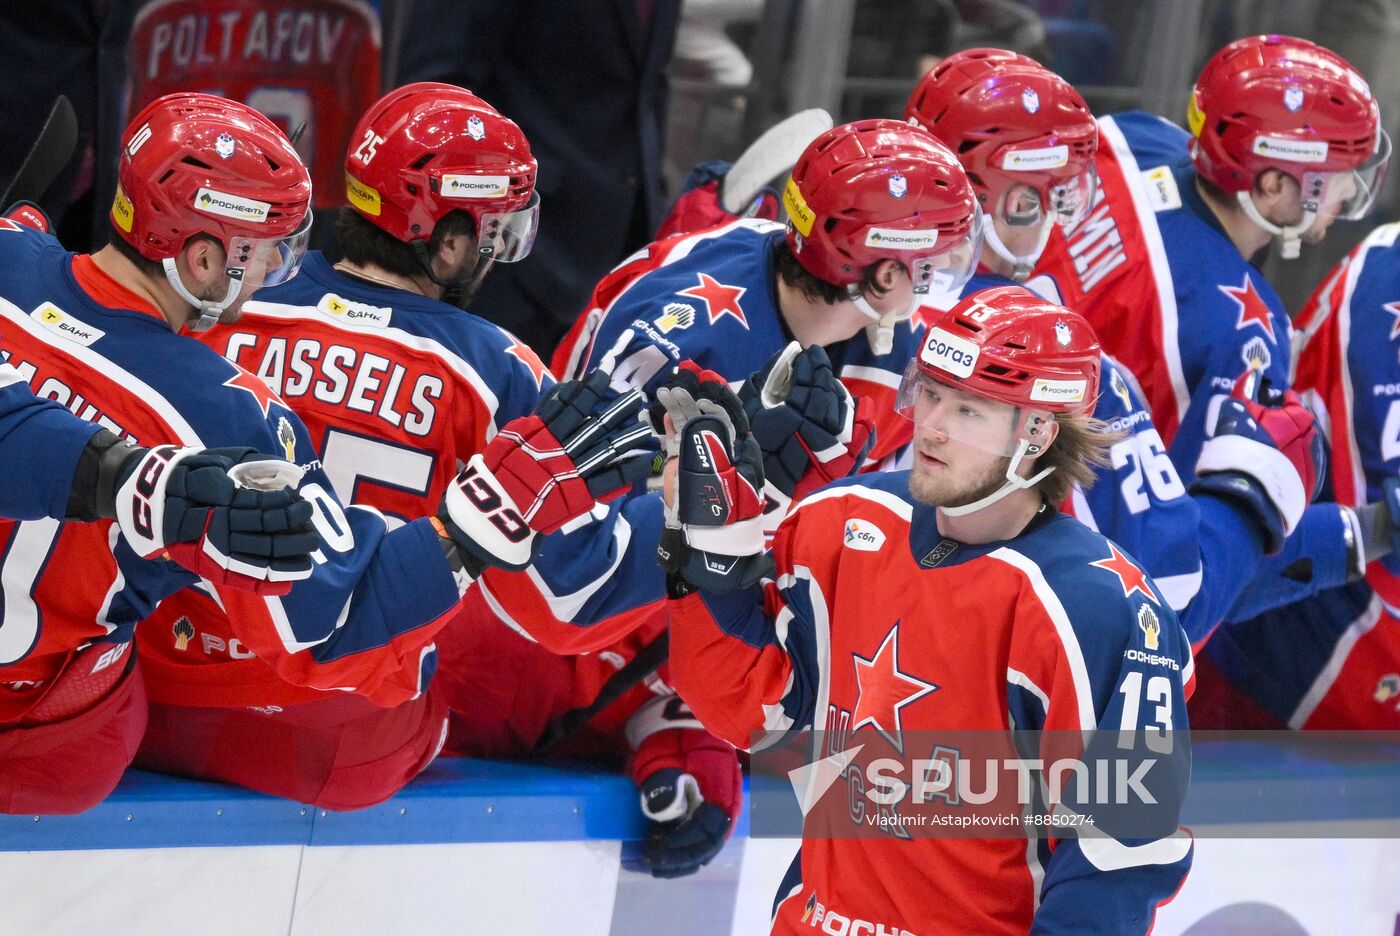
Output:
[[264, 394], [1129, 576], [720, 300], [1253, 309], [1394, 309], [882, 689], [529, 358]]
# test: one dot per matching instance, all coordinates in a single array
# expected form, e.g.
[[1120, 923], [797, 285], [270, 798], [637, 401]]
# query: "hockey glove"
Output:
[[807, 425], [691, 786], [28, 214], [713, 537], [182, 503], [1265, 453], [581, 446]]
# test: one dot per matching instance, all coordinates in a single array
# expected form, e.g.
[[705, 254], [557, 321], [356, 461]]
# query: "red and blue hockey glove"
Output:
[[28, 214], [809, 428], [691, 784], [582, 445], [182, 503], [713, 538], [1265, 453]]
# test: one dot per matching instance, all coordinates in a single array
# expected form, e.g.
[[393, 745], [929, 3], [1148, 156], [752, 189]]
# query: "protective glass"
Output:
[[507, 236], [948, 272], [283, 255], [1070, 201], [1368, 179], [987, 425]]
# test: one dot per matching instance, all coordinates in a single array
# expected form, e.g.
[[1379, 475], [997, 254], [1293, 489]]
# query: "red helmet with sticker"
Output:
[[202, 164], [1277, 102], [1010, 345], [1011, 121], [882, 189], [428, 149]]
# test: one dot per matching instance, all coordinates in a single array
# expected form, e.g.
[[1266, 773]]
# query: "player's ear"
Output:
[[1269, 186], [455, 252], [887, 273], [203, 261]]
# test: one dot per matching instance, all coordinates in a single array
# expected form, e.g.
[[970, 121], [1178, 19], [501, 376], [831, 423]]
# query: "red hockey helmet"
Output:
[[1023, 134], [427, 149], [882, 189], [1006, 344], [1276, 102], [201, 164]]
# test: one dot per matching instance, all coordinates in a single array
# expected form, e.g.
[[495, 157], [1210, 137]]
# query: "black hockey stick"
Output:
[[51, 151]]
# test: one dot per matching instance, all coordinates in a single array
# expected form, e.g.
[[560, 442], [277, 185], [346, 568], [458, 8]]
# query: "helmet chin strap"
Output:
[[880, 331], [209, 310], [1291, 235], [1014, 482], [1022, 265]]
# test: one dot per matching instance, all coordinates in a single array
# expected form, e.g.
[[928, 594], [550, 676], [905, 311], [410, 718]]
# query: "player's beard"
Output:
[[947, 492]]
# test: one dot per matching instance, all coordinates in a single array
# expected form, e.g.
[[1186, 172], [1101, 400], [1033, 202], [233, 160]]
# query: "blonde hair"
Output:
[[1083, 444]]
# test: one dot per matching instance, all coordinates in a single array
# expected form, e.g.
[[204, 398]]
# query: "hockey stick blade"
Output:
[[50, 152], [773, 154]]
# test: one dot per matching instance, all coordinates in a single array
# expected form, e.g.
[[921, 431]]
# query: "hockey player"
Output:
[[212, 204], [879, 214], [400, 386], [952, 595], [1027, 141], [1284, 139], [1333, 659]]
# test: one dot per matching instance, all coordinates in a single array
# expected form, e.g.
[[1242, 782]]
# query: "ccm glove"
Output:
[[809, 428], [582, 445], [691, 786], [713, 536], [1266, 454], [182, 503]]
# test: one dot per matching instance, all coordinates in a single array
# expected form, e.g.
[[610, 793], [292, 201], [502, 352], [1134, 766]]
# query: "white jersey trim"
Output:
[[875, 375], [109, 369], [1157, 256], [1323, 683], [891, 502], [1079, 673]]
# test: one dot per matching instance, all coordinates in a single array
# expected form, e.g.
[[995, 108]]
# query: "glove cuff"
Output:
[[102, 466], [484, 520], [1273, 474], [1244, 490], [140, 499]]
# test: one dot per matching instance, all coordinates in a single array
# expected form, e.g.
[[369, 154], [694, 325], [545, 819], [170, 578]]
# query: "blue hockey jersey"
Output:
[[1333, 659], [84, 341], [398, 390], [710, 297], [39, 447]]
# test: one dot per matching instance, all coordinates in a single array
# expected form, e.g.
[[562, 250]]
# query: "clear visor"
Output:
[[948, 272], [1350, 195], [1070, 201], [987, 425], [269, 260], [507, 236]]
